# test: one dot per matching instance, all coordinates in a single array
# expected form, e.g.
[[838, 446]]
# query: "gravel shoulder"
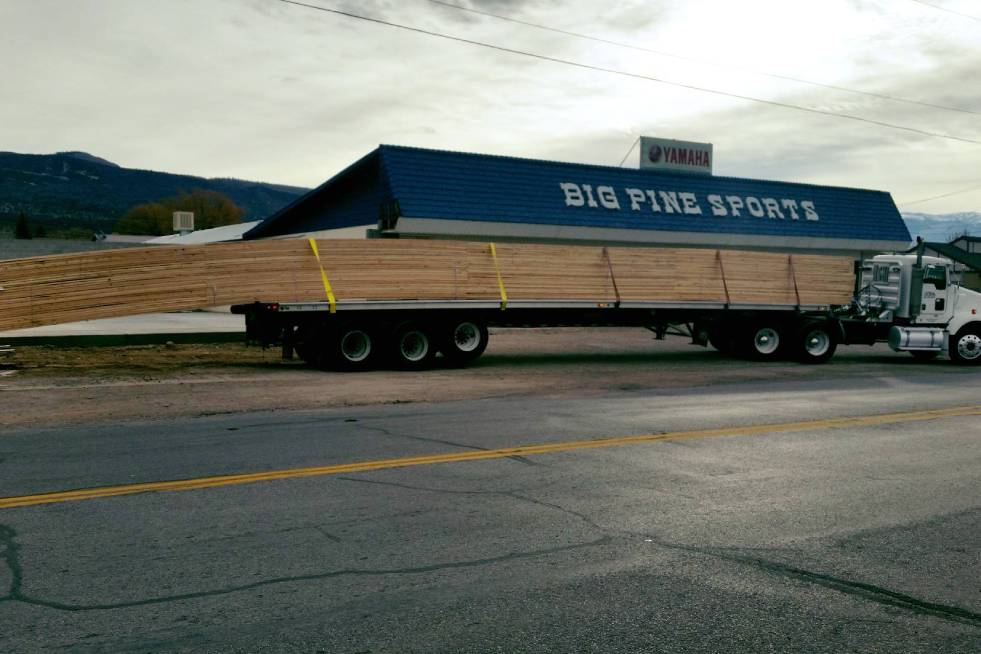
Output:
[[42, 385]]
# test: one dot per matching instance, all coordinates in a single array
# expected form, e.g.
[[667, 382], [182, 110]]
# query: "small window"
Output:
[[880, 274], [936, 275]]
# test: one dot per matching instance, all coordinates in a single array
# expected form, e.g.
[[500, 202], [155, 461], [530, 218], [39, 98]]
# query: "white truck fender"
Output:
[[967, 310]]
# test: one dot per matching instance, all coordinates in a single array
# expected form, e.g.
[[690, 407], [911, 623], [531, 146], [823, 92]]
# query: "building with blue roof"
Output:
[[404, 192]]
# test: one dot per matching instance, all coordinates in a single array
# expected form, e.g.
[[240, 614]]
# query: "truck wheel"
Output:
[[309, 352], [349, 347], [309, 345], [814, 342], [762, 342], [965, 346], [721, 340], [412, 346], [463, 341]]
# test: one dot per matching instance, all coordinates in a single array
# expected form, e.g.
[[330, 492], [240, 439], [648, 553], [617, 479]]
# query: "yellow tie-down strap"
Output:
[[323, 275], [500, 280]]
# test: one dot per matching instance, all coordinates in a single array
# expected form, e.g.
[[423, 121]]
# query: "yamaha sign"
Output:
[[675, 156]]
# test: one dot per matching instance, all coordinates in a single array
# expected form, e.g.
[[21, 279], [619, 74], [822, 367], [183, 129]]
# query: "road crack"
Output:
[[427, 489], [863, 590], [11, 559], [440, 441], [514, 494], [11, 556], [870, 592]]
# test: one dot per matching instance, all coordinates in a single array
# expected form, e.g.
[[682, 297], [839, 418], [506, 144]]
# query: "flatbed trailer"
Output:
[[910, 301], [409, 334]]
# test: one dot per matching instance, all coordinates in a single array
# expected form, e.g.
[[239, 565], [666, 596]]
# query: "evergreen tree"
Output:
[[23, 229]]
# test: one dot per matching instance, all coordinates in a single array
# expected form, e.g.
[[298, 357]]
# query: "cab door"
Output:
[[937, 295]]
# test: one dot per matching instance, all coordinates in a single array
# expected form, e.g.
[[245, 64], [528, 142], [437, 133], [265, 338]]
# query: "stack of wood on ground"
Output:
[[71, 287]]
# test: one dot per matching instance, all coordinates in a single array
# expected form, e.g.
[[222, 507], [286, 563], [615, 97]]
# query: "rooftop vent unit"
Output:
[[184, 222]]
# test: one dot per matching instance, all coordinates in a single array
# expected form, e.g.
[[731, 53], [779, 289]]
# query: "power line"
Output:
[[937, 197], [648, 78], [704, 62], [622, 161], [949, 11]]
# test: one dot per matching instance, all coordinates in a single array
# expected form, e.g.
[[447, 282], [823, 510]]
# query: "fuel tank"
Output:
[[917, 338]]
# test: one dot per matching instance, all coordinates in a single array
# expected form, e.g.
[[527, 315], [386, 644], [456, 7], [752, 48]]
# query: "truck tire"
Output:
[[310, 353], [411, 346], [763, 341], [309, 345], [720, 336], [815, 341], [350, 347], [965, 346], [463, 340]]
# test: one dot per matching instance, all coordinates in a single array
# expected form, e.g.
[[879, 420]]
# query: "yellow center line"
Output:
[[478, 455]]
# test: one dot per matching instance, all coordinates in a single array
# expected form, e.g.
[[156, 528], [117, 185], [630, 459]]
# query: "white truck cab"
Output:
[[928, 309]]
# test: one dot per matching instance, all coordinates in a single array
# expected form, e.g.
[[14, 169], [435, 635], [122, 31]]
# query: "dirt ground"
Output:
[[43, 385]]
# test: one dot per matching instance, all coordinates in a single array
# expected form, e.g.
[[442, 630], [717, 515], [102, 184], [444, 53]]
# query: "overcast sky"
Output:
[[263, 90]]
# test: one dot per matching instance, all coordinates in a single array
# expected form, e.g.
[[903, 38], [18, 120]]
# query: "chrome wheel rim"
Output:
[[969, 347], [766, 340], [466, 337], [817, 342], [414, 346], [355, 346]]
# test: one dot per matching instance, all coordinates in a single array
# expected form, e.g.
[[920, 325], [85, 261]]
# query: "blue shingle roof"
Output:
[[439, 184]]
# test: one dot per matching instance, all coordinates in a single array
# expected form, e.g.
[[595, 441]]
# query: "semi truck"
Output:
[[911, 301]]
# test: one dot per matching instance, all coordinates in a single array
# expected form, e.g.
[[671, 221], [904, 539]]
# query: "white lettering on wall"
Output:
[[718, 209], [809, 212], [608, 197], [735, 204], [573, 194], [690, 204], [636, 196], [772, 208], [670, 201], [652, 196], [590, 200], [754, 207], [684, 202]]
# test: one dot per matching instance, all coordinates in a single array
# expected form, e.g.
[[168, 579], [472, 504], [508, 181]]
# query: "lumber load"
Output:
[[71, 287]]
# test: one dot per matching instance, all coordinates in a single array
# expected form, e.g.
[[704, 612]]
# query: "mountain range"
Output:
[[77, 189], [943, 227]]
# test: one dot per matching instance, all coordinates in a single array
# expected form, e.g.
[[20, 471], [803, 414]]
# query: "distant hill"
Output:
[[85, 156], [77, 189], [943, 227]]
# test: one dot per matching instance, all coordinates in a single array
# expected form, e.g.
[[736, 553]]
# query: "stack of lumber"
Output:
[[546, 272], [71, 287]]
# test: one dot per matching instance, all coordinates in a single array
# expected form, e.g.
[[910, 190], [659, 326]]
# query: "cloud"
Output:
[[264, 90]]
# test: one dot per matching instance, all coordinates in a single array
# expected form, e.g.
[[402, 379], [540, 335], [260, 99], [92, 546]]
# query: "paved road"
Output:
[[839, 536]]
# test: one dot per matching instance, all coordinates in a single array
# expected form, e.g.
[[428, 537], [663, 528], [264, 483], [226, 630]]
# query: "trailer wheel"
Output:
[[721, 342], [309, 344], [412, 346], [762, 342], [814, 341], [463, 341], [965, 346], [349, 347], [309, 352]]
